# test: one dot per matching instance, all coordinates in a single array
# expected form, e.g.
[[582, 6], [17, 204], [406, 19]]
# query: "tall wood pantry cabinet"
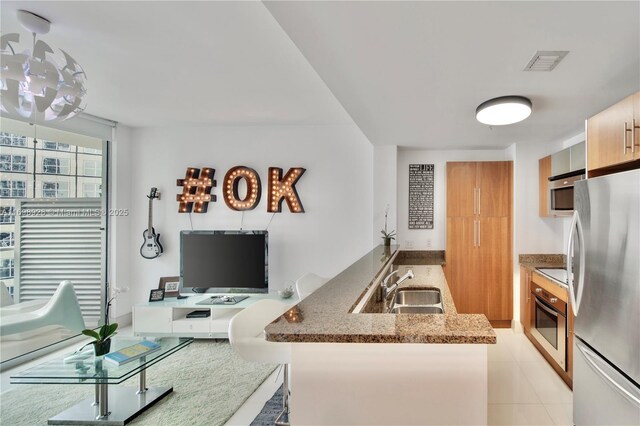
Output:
[[479, 238]]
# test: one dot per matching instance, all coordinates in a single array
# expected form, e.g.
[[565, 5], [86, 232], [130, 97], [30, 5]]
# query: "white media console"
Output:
[[169, 317]]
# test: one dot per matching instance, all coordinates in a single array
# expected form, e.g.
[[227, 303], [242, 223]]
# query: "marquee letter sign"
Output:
[[231, 182], [284, 188], [196, 189]]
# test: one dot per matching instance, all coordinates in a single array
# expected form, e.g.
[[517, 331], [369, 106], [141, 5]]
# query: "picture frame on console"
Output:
[[156, 295], [170, 285]]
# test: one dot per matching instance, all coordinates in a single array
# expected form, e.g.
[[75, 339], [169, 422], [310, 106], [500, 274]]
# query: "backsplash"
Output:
[[555, 259], [420, 257]]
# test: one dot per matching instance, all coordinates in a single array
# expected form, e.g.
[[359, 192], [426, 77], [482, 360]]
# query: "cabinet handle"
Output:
[[478, 211], [478, 228], [475, 201], [474, 228], [633, 136], [624, 139]]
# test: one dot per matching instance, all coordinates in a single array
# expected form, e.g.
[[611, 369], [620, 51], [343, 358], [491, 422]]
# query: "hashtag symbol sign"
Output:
[[196, 189]]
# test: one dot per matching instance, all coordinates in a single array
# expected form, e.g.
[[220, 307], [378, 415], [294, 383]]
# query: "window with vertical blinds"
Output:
[[59, 240]]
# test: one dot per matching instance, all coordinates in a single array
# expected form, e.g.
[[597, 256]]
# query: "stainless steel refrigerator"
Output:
[[603, 264]]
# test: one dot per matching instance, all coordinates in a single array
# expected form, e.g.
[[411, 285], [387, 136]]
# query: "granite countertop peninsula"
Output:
[[326, 315], [532, 261]]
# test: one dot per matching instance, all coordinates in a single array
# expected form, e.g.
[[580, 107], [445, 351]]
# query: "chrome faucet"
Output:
[[387, 291]]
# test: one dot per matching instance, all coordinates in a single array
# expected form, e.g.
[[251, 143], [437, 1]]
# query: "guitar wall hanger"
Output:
[[151, 247]]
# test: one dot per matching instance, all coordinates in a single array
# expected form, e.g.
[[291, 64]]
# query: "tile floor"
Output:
[[523, 388]]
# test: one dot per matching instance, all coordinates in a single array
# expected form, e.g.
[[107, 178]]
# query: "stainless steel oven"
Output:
[[549, 324]]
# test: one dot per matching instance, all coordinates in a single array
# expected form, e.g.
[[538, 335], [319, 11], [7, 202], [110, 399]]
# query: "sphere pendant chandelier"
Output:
[[34, 85]]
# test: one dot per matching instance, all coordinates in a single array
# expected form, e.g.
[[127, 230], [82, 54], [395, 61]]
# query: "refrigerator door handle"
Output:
[[572, 294], [593, 360], [575, 292], [581, 267]]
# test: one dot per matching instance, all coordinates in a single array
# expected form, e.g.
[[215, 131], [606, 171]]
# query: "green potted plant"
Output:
[[102, 342], [387, 236], [102, 337]]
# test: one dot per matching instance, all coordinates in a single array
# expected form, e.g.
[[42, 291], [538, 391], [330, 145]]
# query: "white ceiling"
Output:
[[412, 73], [184, 63], [408, 73]]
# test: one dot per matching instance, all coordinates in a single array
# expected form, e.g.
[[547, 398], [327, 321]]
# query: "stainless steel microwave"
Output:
[[561, 193]]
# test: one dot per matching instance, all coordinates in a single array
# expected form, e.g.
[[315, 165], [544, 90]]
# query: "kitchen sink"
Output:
[[417, 297], [416, 310], [417, 301]]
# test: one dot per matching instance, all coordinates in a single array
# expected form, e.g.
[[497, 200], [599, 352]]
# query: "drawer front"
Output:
[[550, 286], [199, 325]]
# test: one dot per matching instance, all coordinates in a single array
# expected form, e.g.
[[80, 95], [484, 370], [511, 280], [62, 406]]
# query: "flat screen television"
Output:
[[224, 262]]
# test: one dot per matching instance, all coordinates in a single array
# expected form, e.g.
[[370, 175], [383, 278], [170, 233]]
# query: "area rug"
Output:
[[272, 408], [210, 382]]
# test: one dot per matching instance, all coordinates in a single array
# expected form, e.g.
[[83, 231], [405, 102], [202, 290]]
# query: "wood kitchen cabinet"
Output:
[[525, 299], [613, 136], [544, 173], [461, 249], [479, 244]]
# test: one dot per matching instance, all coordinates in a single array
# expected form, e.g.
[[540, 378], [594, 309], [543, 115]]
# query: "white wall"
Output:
[[336, 192], [432, 239], [120, 234], [385, 184], [535, 234]]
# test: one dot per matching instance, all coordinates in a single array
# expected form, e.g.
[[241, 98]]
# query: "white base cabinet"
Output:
[[388, 384], [169, 317]]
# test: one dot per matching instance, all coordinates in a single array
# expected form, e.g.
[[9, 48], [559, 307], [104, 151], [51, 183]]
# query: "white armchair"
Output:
[[32, 325], [5, 296], [8, 307], [61, 310]]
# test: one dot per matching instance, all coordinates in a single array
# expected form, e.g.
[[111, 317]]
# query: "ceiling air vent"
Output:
[[545, 60]]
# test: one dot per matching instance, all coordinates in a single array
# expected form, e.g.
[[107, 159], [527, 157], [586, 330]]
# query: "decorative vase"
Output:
[[101, 348], [387, 242]]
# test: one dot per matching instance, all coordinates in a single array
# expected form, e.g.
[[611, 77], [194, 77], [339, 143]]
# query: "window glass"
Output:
[[59, 172], [13, 188], [6, 268], [12, 140], [93, 167], [55, 189], [56, 166], [6, 239], [13, 163], [91, 190], [91, 151], [7, 214], [55, 146]]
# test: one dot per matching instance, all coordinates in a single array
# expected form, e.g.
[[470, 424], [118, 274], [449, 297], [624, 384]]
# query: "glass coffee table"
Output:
[[83, 368]]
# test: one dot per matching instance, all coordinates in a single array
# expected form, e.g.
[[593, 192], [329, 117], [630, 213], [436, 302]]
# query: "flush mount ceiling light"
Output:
[[32, 84], [503, 110]]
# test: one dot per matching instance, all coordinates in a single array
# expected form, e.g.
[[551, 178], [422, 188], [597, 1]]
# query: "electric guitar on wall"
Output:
[[151, 247]]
